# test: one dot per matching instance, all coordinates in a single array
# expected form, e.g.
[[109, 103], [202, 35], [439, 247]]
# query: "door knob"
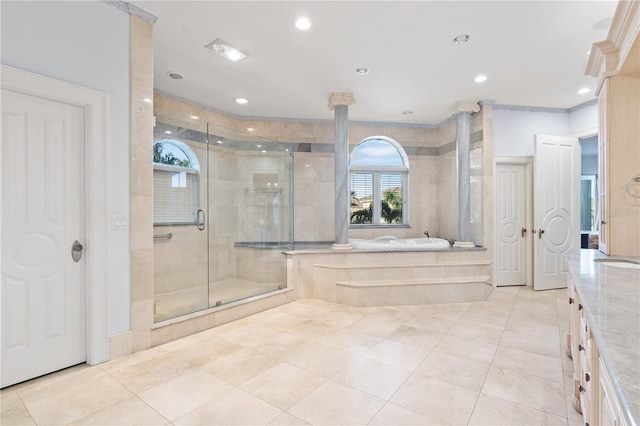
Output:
[[540, 232], [76, 251], [523, 231]]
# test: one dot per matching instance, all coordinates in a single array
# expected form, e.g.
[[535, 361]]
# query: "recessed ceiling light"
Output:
[[303, 24], [480, 79], [226, 50], [362, 71], [583, 91], [258, 146], [251, 129], [242, 101], [147, 100], [194, 117], [219, 141], [286, 150], [175, 75], [407, 112], [461, 39], [263, 151], [168, 132]]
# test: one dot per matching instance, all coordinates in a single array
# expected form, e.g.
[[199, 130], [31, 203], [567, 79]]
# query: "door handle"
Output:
[[202, 216], [76, 251], [523, 231], [539, 232]]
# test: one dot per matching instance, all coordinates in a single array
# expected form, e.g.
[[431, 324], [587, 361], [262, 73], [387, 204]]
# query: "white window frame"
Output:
[[376, 201], [192, 170]]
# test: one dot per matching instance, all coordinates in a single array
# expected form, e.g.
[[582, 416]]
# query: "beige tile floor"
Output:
[[499, 362]]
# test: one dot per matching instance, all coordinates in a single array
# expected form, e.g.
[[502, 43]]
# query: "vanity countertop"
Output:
[[611, 299]]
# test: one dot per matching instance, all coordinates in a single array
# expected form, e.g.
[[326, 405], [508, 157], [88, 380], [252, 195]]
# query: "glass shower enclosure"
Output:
[[222, 216]]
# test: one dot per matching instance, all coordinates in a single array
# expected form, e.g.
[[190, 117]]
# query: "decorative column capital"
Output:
[[340, 98], [464, 106]]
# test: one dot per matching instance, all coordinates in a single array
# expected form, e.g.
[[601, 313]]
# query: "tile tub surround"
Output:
[[311, 362], [378, 278], [611, 300]]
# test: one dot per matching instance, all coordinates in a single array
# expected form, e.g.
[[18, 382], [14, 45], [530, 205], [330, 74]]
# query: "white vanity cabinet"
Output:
[[619, 156], [594, 395], [615, 63], [608, 410], [584, 353]]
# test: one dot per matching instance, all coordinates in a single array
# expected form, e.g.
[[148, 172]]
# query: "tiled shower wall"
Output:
[[234, 214]]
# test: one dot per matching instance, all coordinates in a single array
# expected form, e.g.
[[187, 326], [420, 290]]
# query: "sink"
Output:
[[619, 263]]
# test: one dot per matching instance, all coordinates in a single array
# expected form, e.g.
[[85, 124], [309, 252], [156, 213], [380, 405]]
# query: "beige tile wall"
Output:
[[141, 221], [235, 213], [314, 190]]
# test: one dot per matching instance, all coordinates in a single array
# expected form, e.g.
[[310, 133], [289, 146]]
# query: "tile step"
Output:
[[413, 282]]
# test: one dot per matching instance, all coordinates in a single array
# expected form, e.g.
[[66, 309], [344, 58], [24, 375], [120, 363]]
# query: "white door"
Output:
[[511, 225], [556, 208], [43, 288]]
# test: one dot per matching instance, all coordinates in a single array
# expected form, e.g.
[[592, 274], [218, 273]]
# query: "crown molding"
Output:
[[608, 56]]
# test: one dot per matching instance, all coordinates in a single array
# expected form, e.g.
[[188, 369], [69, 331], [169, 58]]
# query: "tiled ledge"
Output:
[[413, 282], [411, 265]]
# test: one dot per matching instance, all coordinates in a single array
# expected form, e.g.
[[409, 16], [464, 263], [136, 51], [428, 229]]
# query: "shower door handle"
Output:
[[202, 218]]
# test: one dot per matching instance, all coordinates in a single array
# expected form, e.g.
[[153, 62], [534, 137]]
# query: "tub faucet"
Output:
[[427, 234]]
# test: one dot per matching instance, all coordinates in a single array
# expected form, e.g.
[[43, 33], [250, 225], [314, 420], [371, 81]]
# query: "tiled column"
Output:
[[488, 181], [462, 111], [141, 221], [340, 103]]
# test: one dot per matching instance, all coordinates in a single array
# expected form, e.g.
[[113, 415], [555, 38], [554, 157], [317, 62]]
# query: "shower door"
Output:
[[222, 216], [250, 215], [180, 235]]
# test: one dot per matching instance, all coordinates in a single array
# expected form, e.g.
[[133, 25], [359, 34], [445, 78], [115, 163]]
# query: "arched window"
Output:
[[175, 183], [379, 175]]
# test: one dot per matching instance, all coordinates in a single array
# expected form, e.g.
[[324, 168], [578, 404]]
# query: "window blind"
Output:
[[361, 196], [175, 196]]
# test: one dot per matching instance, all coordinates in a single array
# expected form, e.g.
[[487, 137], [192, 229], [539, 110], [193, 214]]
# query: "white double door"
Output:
[[556, 212], [43, 287], [556, 209]]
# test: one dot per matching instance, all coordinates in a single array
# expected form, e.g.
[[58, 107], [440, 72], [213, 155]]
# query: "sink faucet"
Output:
[[427, 234]]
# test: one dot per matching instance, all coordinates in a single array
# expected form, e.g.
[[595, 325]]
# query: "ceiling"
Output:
[[533, 53]]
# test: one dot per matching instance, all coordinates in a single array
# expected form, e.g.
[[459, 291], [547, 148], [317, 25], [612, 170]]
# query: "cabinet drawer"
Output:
[[584, 329]]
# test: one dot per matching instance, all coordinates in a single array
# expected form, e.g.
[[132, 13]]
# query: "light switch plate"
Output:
[[119, 222]]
